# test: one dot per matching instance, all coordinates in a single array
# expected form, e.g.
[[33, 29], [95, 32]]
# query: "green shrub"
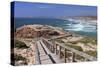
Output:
[[89, 40], [92, 53], [74, 42], [59, 40], [79, 57], [19, 44], [75, 47], [19, 57]]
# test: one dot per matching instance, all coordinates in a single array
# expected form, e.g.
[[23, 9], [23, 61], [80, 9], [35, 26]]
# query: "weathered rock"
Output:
[[30, 31]]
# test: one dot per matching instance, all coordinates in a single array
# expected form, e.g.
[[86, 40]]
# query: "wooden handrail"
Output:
[[77, 52], [88, 57], [60, 36]]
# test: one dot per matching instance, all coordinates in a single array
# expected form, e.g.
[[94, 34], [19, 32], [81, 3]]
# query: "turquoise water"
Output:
[[79, 28]]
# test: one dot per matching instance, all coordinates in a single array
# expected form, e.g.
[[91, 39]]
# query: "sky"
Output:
[[33, 9]]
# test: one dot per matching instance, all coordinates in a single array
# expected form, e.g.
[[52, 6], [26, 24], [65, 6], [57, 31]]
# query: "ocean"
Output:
[[72, 26]]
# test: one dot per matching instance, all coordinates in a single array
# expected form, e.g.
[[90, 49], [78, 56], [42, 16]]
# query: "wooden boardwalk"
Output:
[[51, 53], [45, 56]]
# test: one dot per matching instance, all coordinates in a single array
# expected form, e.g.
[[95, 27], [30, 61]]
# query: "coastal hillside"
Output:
[[25, 42], [29, 31]]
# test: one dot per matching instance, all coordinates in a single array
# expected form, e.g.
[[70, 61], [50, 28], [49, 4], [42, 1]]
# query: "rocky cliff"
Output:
[[36, 30]]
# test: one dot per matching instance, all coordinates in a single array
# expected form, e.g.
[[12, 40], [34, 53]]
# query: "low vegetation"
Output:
[[19, 57], [59, 40], [89, 40], [72, 45], [92, 53], [73, 42], [19, 44], [75, 47], [78, 57]]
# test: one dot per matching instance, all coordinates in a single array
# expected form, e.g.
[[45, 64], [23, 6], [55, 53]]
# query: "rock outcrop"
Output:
[[30, 31]]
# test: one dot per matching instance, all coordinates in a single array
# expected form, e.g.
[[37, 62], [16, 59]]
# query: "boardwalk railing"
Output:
[[57, 48], [66, 35]]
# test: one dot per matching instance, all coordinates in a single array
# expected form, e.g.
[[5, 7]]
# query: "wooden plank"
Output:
[[73, 57], [48, 52], [53, 49], [65, 55], [56, 49], [37, 59], [60, 51], [45, 59], [53, 55]]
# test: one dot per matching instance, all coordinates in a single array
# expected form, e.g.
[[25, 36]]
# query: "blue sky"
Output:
[[28, 9]]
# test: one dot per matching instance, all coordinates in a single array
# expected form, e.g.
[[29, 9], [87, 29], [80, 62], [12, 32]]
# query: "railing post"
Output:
[[60, 51], [50, 48], [53, 48], [85, 59], [65, 55], [73, 57], [56, 48]]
